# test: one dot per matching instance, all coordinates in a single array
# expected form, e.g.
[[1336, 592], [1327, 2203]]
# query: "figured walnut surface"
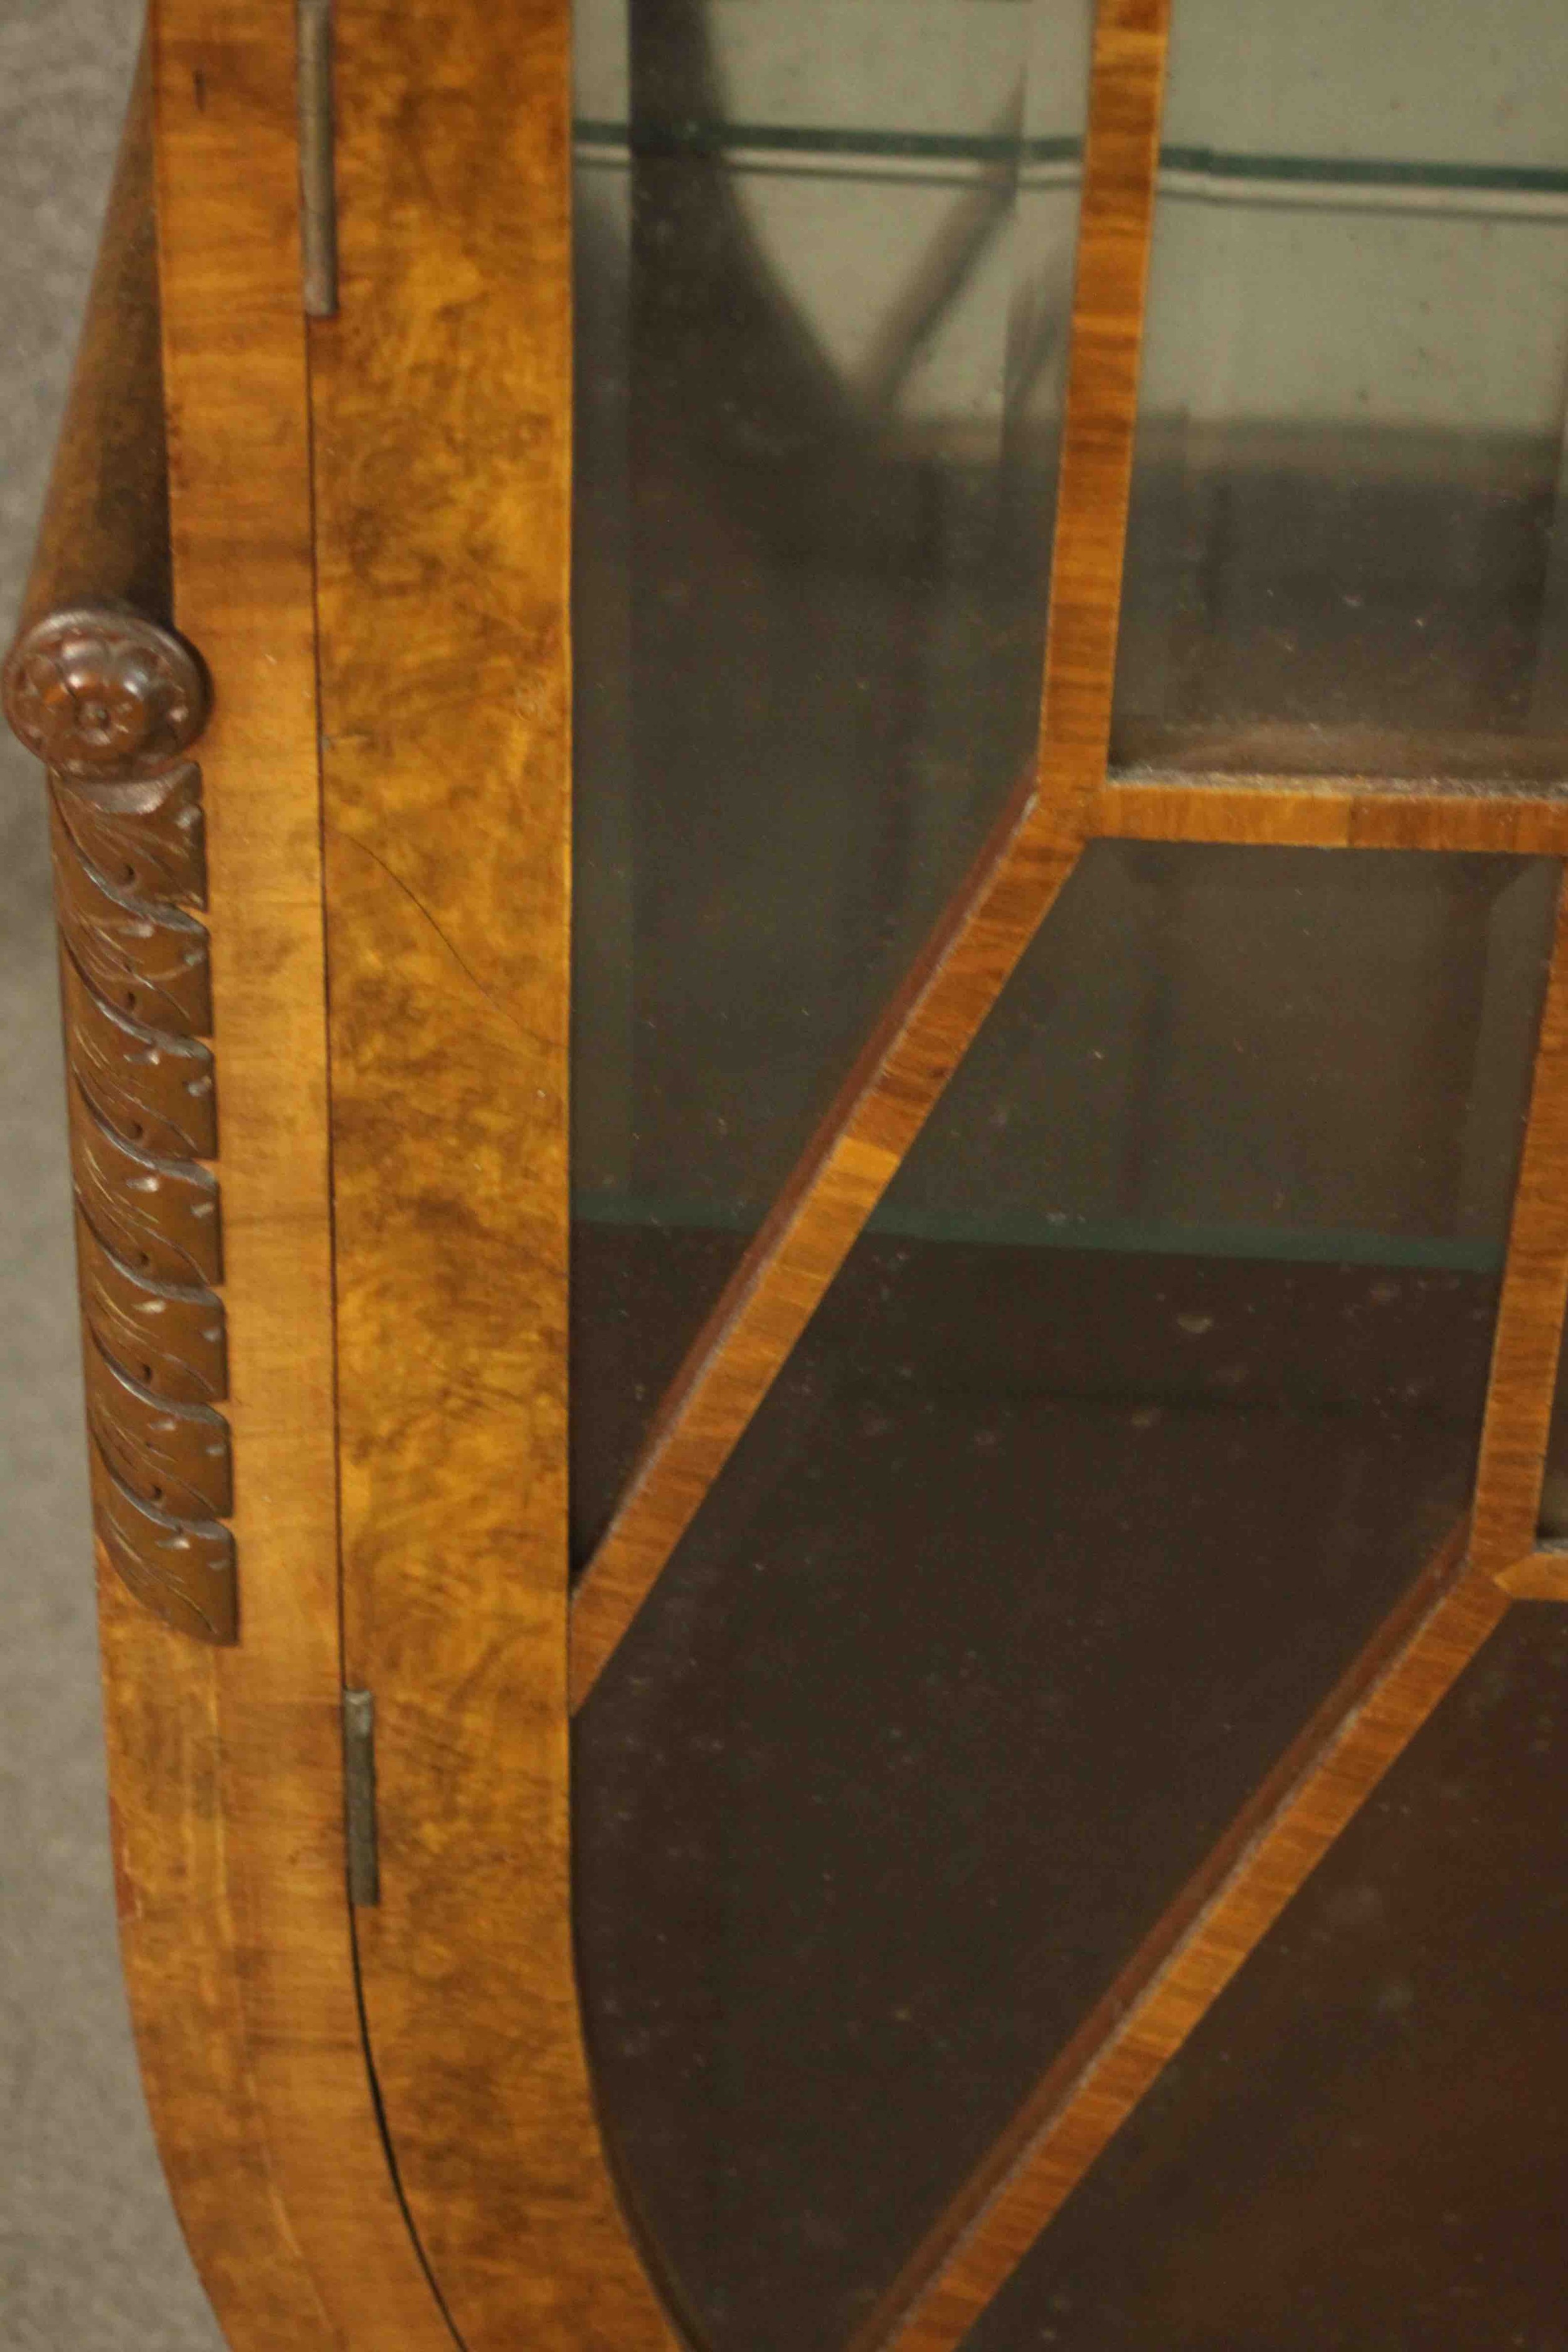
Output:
[[441, 403], [226, 1764], [1330, 813], [916, 1048], [181, 1939]]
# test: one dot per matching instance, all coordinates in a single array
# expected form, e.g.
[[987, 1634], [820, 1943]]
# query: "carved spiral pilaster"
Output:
[[111, 703]]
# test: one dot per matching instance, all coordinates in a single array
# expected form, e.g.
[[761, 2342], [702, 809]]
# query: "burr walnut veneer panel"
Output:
[[442, 413]]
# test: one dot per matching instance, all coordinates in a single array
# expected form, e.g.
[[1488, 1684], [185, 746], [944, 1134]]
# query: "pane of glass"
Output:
[[1363, 2144], [825, 256], [1345, 553], [1157, 1380]]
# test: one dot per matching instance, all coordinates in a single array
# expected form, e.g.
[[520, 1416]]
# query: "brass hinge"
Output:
[[318, 190], [359, 1796]]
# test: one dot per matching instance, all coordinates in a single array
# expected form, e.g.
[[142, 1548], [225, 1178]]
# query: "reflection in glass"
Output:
[[1156, 1381], [824, 272], [1346, 549], [1361, 2145]]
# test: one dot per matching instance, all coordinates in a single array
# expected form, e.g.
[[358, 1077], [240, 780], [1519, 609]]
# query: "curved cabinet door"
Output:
[[823, 1165], [1008, 1294]]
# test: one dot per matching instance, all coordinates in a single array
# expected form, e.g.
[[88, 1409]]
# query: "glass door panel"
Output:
[[824, 265], [1154, 1385], [1138, 1431], [1363, 2143], [1346, 551]]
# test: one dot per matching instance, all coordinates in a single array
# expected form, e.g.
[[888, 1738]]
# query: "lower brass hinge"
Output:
[[359, 1797]]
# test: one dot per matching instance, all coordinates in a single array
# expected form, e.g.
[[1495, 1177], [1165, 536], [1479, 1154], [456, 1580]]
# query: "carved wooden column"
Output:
[[112, 701]]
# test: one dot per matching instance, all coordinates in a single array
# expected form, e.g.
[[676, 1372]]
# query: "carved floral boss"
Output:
[[111, 703]]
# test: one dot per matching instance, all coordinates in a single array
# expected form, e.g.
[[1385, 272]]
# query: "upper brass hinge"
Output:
[[318, 178]]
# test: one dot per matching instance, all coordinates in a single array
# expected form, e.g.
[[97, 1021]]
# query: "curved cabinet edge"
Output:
[[265, 2127], [209, 1341], [235, 388], [179, 1956]]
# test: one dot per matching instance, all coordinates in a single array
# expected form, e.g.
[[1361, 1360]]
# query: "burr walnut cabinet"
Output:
[[808, 767]]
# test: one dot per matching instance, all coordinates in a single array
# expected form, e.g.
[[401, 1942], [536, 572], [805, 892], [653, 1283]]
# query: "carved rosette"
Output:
[[111, 703]]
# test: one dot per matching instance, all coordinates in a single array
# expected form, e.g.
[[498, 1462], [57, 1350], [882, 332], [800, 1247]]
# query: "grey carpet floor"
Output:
[[90, 2255]]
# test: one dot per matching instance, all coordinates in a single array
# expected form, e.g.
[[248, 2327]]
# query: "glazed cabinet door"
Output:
[[809, 768]]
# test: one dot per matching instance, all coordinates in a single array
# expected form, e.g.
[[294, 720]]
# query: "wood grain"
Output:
[[180, 1946], [1280, 1838], [1540, 1576], [1330, 813], [441, 399], [1518, 1423], [957, 980], [227, 1766]]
